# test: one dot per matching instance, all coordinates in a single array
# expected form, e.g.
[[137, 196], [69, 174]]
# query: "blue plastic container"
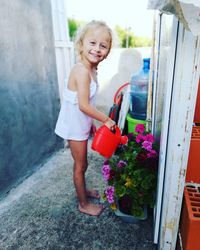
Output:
[[139, 92]]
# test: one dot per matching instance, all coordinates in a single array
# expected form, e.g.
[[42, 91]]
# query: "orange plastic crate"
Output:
[[193, 167], [190, 218]]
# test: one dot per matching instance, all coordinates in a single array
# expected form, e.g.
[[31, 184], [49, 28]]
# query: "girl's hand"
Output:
[[110, 123]]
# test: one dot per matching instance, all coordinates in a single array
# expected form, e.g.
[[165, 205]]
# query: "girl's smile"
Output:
[[96, 45]]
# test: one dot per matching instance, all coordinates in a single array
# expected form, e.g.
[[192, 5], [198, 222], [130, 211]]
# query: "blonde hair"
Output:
[[80, 35]]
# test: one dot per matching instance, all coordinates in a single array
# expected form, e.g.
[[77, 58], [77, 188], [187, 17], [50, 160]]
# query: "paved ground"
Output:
[[41, 214]]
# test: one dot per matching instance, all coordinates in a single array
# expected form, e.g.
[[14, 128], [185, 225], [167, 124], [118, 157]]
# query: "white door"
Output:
[[63, 47], [165, 59], [175, 89]]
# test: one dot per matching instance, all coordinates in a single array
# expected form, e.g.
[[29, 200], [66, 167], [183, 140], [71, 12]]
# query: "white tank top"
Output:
[[73, 124]]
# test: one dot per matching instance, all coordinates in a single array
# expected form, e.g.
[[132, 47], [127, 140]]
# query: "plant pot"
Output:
[[130, 218]]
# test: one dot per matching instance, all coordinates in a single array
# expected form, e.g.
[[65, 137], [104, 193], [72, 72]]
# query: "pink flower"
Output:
[[110, 194], [139, 138], [139, 128], [149, 137], [151, 154], [147, 145], [106, 172]]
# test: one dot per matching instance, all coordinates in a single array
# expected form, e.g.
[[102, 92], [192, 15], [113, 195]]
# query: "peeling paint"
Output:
[[170, 225]]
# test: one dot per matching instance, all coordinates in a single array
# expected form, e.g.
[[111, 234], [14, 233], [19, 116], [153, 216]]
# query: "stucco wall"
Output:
[[29, 99]]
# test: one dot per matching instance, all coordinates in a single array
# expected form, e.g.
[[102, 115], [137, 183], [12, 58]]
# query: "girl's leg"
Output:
[[79, 154]]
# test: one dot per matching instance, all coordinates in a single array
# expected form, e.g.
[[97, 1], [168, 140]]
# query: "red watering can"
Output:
[[105, 141]]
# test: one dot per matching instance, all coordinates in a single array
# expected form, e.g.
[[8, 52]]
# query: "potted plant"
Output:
[[131, 175]]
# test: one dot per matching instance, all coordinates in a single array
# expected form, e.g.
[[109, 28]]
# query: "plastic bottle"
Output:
[[139, 92]]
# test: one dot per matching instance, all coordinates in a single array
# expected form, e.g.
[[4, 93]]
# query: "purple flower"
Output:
[[106, 172], [152, 154], [121, 164], [139, 128], [147, 145], [109, 192]]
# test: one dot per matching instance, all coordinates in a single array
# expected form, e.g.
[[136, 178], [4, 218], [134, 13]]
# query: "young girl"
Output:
[[75, 121]]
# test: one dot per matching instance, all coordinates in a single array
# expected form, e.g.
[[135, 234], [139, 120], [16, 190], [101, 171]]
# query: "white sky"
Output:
[[125, 13]]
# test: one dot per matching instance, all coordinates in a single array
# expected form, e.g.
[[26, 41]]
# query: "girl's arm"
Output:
[[83, 80]]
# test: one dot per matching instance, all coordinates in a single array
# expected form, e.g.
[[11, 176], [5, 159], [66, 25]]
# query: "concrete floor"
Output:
[[41, 213]]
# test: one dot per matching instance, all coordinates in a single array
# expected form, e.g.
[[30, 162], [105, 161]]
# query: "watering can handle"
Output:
[[113, 129]]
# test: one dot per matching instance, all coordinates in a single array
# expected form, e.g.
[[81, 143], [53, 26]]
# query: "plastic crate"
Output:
[[193, 167], [190, 218]]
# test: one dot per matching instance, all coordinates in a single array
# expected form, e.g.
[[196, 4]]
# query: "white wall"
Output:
[[117, 69]]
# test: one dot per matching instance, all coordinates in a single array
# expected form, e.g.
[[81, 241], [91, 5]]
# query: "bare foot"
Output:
[[91, 209], [93, 193]]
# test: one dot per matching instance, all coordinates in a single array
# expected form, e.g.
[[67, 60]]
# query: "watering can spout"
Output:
[[105, 142], [124, 139]]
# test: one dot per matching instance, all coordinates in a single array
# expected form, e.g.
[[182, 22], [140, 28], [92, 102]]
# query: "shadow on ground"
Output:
[[41, 213]]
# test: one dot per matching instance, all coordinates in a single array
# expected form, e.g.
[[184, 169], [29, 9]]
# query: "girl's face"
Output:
[[96, 45]]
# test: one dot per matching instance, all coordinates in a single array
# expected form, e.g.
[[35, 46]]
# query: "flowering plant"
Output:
[[131, 174]]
